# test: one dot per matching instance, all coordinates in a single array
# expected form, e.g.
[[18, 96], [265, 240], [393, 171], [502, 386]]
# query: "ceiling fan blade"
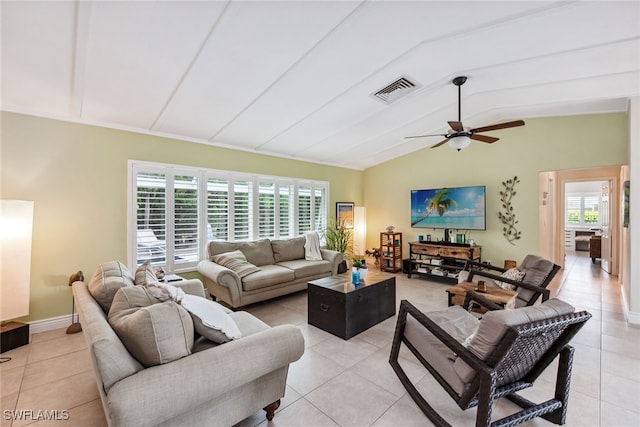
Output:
[[422, 136], [457, 126], [440, 143], [505, 125], [484, 138]]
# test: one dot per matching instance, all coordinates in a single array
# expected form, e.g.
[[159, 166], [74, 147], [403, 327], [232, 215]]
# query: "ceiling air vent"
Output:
[[396, 90]]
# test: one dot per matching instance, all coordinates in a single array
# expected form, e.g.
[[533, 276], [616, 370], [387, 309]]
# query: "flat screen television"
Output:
[[461, 208]]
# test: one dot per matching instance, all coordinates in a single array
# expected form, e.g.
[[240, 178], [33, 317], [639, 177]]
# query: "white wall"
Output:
[[631, 283]]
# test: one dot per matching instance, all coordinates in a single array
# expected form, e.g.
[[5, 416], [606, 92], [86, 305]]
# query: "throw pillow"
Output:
[[237, 262], [156, 334], [145, 274], [132, 297], [210, 320], [512, 274], [108, 278]]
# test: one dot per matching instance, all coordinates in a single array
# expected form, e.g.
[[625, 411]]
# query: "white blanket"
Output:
[[312, 246]]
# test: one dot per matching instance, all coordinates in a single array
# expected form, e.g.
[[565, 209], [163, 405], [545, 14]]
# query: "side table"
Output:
[[503, 297]]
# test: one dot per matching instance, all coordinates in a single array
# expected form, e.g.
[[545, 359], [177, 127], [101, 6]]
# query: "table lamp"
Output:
[[16, 222]]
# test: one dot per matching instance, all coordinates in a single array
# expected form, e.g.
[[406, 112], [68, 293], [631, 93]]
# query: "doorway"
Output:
[[552, 196], [586, 221]]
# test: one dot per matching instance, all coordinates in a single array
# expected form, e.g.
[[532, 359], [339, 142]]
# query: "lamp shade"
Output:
[[16, 222], [459, 142], [359, 230]]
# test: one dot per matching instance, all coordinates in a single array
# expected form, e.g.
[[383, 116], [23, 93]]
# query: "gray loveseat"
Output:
[[281, 269], [212, 385]]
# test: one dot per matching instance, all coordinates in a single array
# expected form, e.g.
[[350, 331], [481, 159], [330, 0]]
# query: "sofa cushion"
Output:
[[288, 249], [495, 323], [108, 278], [257, 252], [155, 334], [145, 274], [302, 268], [236, 261], [267, 276]]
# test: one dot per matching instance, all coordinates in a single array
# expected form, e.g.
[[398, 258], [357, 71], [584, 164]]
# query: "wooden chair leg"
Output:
[[271, 409]]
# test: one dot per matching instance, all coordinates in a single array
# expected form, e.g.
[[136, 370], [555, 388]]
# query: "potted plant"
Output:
[[337, 238], [360, 265]]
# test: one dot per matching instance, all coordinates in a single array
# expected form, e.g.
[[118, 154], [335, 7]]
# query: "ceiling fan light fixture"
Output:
[[459, 142]]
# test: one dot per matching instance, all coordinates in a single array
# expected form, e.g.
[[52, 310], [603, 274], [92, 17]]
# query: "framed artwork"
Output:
[[344, 213], [627, 191]]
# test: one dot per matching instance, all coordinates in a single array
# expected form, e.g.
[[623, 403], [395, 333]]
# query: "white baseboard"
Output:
[[633, 317], [50, 324]]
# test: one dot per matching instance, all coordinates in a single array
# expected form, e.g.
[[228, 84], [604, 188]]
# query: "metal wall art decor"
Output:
[[508, 217]]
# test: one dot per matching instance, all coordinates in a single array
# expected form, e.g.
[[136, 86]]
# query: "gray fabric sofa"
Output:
[[215, 384], [283, 269]]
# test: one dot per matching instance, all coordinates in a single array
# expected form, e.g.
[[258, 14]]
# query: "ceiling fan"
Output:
[[458, 137]]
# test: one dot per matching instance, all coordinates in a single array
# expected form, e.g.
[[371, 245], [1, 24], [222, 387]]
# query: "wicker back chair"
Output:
[[538, 274], [507, 352]]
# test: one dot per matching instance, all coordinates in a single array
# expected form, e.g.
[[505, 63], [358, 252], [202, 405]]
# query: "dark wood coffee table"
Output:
[[339, 307]]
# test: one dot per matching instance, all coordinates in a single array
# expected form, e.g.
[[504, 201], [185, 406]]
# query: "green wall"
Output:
[[541, 145], [77, 177]]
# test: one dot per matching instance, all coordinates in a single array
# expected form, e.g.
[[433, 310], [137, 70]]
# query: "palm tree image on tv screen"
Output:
[[461, 208]]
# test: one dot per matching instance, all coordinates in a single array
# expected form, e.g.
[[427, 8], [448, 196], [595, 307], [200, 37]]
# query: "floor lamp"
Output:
[[74, 327], [16, 225]]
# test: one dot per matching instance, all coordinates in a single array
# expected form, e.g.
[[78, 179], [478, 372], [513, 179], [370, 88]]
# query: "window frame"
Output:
[[290, 185], [583, 196]]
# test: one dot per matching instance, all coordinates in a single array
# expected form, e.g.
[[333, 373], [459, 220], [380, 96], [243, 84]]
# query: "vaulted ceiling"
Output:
[[295, 78]]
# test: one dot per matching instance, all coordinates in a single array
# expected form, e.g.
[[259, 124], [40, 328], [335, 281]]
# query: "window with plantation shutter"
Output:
[[176, 210], [583, 209]]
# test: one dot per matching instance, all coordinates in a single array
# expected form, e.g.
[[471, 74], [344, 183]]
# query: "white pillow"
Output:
[[210, 320], [512, 274]]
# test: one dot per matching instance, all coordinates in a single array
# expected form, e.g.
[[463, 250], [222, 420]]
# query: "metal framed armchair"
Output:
[[539, 273], [507, 351]]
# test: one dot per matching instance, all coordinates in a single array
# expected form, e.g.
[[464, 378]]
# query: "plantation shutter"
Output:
[[304, 209], [185, 219], [150, 217], [286, 210], [242, 210], [266, 209], [591, 208], [217, 209], [573, 208]]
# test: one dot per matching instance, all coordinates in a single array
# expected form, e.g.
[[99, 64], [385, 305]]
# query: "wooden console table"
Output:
[[439, 260]]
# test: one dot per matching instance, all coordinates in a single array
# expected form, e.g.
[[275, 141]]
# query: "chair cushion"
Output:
[[155, 334], [257, 252], [536, 271], [288, 249], [456, 322], [494, 324], [236, 261], [108, 278]]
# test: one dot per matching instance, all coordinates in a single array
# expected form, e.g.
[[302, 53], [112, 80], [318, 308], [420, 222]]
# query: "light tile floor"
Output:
[[350, 383]]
